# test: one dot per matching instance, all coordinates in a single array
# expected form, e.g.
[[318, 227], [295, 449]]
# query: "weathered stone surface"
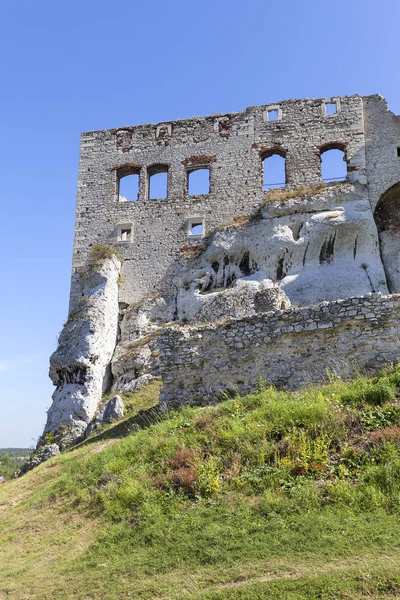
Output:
[[113, 409], [326, 248], [232, 147], [44, 453], [134, 364], [80, 365], [243, 299], [286, 348]]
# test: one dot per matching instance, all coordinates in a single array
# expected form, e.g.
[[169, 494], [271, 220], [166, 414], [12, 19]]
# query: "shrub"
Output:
[[49, 437], [101, 252]]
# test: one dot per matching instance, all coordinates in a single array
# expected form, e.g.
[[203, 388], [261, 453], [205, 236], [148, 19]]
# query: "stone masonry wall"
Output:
[[382, 139], [286, 348], [232, 146]]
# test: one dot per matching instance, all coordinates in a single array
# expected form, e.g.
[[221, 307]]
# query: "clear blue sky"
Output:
[[69, 67]]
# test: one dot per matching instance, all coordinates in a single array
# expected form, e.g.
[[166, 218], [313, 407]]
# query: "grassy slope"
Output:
[[275, 495]]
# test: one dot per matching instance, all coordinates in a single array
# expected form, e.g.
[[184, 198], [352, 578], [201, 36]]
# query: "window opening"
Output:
[[158, 183], [333, 165], [199, 181], [129, 188], [126, 235], [196, 229], [330, 108], [272, 115], [274, 167], [398, 151]]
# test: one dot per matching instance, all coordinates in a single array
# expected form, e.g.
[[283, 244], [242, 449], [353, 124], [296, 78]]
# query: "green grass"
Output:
[[11, 460], [273, 495]]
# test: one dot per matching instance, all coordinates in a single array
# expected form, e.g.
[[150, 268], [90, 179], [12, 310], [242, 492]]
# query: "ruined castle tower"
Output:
[[263, 260]]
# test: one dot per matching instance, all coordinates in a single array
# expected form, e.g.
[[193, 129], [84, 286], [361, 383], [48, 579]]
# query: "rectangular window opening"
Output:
[[129, 188], [398, 151], [199, 181], [330, 108], [158, 185], [272, 115], [124, 233], [195, 227]]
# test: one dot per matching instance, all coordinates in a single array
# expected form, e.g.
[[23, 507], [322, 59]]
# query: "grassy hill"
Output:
[[274, 495]]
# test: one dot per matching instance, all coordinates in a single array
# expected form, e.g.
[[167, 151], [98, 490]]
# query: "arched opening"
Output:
[[333, 163], [128, 183], [198, 181], [387, 219], [158, 182], [274, 169]]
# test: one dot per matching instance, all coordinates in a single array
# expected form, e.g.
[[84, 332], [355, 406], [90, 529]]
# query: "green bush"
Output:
[[101, 252]]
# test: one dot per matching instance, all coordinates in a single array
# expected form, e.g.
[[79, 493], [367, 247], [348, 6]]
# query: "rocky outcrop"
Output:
[[245, 298], [297, 252], [42, 454], [112, 410], [321, 247], [80, 367]]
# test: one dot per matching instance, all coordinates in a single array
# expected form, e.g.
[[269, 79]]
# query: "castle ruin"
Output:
[[212, 289]]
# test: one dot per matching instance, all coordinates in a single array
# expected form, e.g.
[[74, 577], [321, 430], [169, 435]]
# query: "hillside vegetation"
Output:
[[275, 495], [11, 460]]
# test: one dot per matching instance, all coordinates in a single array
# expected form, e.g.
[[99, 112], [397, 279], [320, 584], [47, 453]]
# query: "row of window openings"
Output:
[[333, 168], [330, 108], [195, 229], [198, 182]]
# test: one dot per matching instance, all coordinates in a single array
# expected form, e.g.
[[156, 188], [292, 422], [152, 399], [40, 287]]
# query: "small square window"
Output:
[[195, 227], [330, 108], [124, 233], [272, 115]]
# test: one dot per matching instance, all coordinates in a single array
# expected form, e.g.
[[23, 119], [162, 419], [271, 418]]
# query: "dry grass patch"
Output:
[[281, 194]]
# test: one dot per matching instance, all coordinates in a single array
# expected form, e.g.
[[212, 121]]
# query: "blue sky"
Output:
[[78, 66]]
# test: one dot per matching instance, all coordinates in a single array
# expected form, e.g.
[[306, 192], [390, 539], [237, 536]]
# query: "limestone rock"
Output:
[[129, 382], [269, 299], [113, 409], [245, 298], [44, 453], [80, 365], [323, 247], [142, 319]]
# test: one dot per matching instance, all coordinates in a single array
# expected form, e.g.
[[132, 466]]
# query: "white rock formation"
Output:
[[323, 247], [80, 365], [245, 298], [113, 409]]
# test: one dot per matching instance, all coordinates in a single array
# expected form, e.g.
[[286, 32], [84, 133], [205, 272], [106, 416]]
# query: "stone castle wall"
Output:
[[232, 146], [286, 348], [305, 248]]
